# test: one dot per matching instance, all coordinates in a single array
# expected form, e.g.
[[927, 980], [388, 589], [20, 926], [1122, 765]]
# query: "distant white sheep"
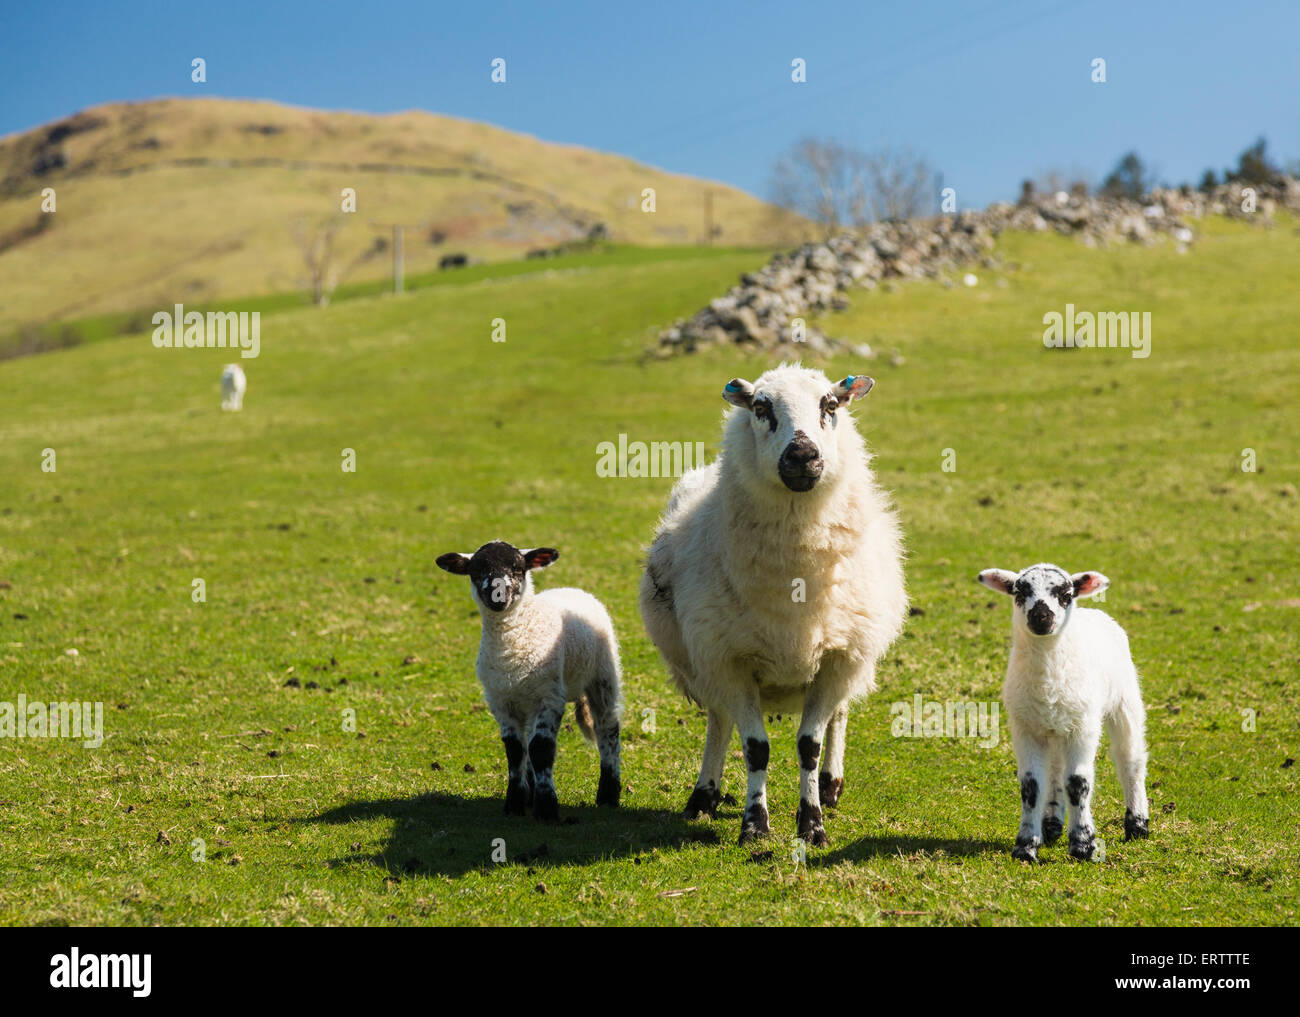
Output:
[[233, 386], [1070, 672], [538, 652], [775, 582]]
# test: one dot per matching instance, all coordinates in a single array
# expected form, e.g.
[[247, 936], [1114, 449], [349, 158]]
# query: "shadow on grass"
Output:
[[449, 835], [891, 847]]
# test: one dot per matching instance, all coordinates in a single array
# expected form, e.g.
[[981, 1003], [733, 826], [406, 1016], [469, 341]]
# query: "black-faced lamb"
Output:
[[538, 652], [775, 583], [1070, 673]]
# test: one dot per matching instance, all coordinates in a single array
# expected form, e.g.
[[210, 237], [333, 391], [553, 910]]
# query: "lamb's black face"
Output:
[[1043, 594], [497, 574], [497, 571]]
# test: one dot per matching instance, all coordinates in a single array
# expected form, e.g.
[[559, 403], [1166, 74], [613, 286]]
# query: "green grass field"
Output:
[[1089, 458]]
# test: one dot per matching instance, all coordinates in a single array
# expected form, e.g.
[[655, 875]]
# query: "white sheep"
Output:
[[775, 582], [538, 652], [233, 385], [1070, 672]]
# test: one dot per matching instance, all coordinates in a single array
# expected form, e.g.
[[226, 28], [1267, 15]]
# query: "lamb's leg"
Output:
[[1031, 764], [518, 785], [830, 783], [1054, 810], [541, 752], [817, 712], [1128, 749], [753, 739], [602, 698], [707, 795], [1080, 757]]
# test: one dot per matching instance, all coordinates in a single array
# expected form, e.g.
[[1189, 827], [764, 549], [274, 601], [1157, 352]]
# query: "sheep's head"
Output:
[[1044, 594], [794, 416], [498, 572]]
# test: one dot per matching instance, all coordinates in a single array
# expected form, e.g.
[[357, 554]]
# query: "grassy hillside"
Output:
[[196, 199], [225, 720]]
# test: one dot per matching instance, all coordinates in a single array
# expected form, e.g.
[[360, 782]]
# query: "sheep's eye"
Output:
[[763, 411]]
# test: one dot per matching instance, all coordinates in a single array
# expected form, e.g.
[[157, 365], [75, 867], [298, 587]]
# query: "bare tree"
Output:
[[838, 187], [324, 273]]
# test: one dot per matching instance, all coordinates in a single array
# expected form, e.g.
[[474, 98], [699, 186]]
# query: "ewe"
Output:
[[538, 652], [1070, 672], [233, 384], [775, 582]]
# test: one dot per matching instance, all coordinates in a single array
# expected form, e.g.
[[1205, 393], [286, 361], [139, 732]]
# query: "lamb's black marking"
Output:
[[755, 823], [829, 788], [1028, 791], [541, 752], [756, 754], [609, 789], [1077, 788], [808, 824], [764, 410], [1052, 827], [1135, 826]]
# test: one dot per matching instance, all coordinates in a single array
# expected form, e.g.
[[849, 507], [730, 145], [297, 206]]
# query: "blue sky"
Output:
[[988, 92]]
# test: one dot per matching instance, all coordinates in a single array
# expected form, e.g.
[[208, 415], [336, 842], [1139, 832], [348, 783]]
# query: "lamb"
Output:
[[538, 652], [233, 384], [775, 582], [1070, 672]]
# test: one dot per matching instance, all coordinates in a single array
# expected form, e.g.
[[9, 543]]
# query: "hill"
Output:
[[195, 200]]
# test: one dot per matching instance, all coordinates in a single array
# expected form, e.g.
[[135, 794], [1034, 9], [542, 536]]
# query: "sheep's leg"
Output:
[[1054, 810], [1080, 756], [541, 752], [817, 713], [1031, 764], [1129, 751], [707, 795], [753, 738], [602, 698], [830, 783]]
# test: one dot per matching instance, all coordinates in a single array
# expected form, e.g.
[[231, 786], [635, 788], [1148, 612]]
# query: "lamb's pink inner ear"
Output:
[[540, 557], [999, 580], [1086, 583]]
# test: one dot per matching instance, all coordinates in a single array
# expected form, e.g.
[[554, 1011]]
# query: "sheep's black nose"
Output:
[[1040, 618], [801, 463]]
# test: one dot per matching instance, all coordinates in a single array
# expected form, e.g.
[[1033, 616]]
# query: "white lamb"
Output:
[[775, 582], [233, 385], [538, 652], [1070, 672]]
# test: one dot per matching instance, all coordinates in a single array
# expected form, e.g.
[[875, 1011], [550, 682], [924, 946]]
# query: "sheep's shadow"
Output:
[[866, 848], [450, 835]]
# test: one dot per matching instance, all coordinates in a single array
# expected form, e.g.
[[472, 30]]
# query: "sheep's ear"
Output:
[[540, 557], [1088, 583], [998, 579], [740, 393], [454, 562], [855, 386]]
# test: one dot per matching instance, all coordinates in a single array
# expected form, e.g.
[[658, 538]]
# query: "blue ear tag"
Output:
[[732, 387]]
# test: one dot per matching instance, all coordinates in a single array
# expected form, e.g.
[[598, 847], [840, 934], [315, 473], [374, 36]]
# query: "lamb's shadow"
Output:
[[866, 848], [445, 834]]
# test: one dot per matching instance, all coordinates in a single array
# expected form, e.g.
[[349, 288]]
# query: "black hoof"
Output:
[[1135, 826], [546, 806], [829, 789], [1082, 848], [516, 800], [755, 825], [808, 824], [703, 801], [1025, 851], [609, 789], [1052, 828]]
